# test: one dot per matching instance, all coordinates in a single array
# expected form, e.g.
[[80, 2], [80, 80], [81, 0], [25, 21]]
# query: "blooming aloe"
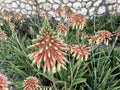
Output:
[[49, 49]]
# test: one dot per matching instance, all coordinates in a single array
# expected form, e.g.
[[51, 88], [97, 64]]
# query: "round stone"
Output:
[[14, 5], [65, 1], [85, 0], [101, 9], [118, 9], [24, 11], [1, 1], [83, 11], [69, 4], [72, 0], [76, 5], [7, 1], [24, 1], [83, 4], [34, 8], [51, 1], [79, 0], [8, 6], [57, 1], [118, 1], [31, 2], [29, 12], [40, 6], [110, 1], [28, 7], [55, 6], [47, 6], [18, 3], [33, 13], [13, 9], [22, 5], [63, 5], [52, 14], [88, 4], [91, 11], [41, 1], [97, 3], [18, 10]]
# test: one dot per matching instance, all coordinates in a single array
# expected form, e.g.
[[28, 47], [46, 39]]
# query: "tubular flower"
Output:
[[70, 47], [1, 23], [92, 40], [78, 21], [6, 16], [31, 83], [68, 14], [81, 52], [2, 36], [50, 51], [62, 29], [59, 11], [17, 16], [3, 82], [66, 8], [103, 36]]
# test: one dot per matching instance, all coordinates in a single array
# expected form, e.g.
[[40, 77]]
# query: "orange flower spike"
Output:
[[103, 36], [2, 36], [31, 83], [3, 82], [81, 52], [68, 14], [66, 8], [62, 29], [70, 47], [92, 40], [78, 21], [49, 50], [12, 26], [17, 16], [59, 11], [6, 16]]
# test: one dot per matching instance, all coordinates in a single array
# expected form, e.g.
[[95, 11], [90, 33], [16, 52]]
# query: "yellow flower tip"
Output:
[[33, 62], [74, 55], [54, 70], [34, 40], [1, 23], [97, 41], [38, 36], [81, 58], [29, 46], [64, 67], [106, 43], [86, 57]]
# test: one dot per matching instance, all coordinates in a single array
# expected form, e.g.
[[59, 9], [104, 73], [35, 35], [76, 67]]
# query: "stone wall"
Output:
[[86, 7]]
